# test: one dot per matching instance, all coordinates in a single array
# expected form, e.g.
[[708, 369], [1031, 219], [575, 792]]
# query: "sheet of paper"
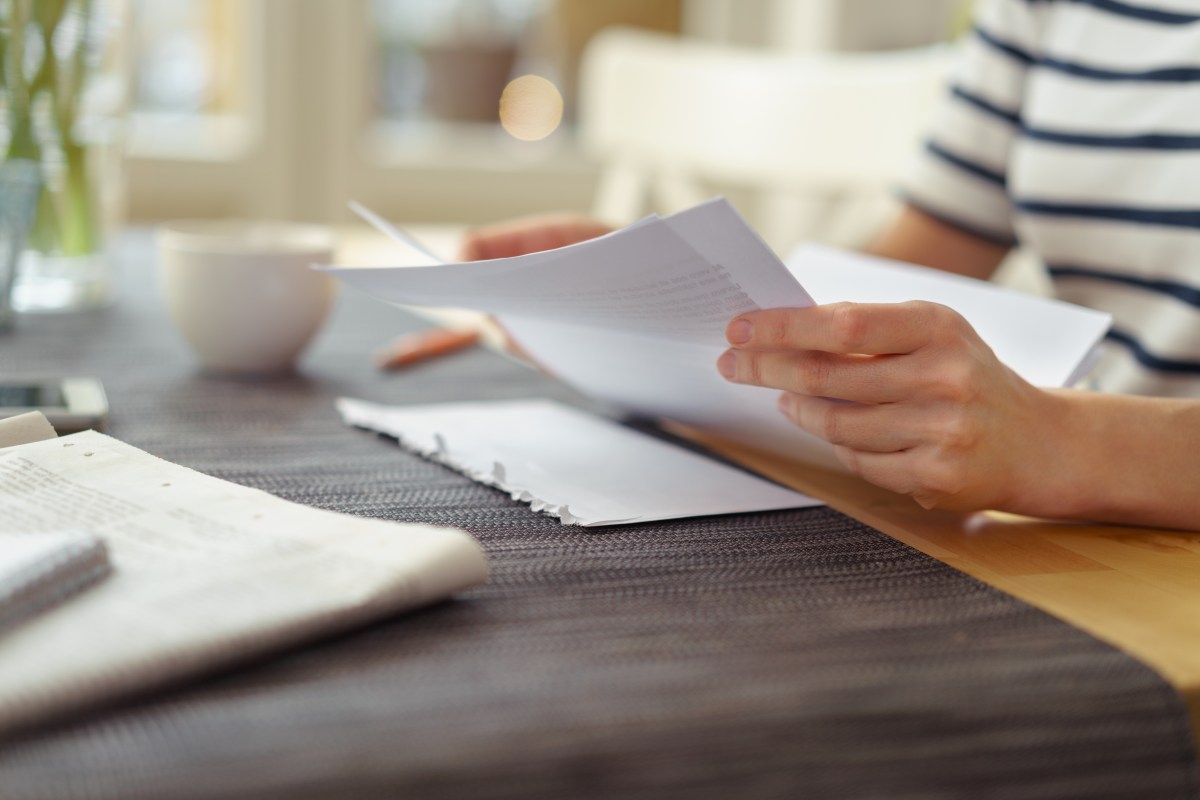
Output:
[[24, 428], [645, 279], [1047, 342], [206, 573], [637, 318], [666, 380], [415, 254], [1044, 341], [578, 467]]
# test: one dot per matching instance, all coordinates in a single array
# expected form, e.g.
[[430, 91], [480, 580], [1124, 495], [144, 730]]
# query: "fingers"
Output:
[[892, 471], [857, 426], [903, 450], [929, 481], [862, 328], [908, 395], [863, 379], [528, 235]]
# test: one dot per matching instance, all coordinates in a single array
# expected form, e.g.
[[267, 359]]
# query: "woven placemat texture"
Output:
[[784, 654]]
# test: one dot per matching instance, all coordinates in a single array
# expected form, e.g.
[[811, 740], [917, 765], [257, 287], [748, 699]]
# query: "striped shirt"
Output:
[[1072, 127]]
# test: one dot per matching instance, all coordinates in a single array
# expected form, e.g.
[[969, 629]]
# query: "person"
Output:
[[1073, 127]]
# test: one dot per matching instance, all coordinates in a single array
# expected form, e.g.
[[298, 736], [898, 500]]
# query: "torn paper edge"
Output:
[[496, 477]]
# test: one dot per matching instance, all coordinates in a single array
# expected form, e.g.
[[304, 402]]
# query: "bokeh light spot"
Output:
[[531, 108]]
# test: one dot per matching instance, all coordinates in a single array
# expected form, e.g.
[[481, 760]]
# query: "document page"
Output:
[[668, 380], [581, 468], [1046, 342], [25, 428], [637, 318], [205, 573], [646, 279]]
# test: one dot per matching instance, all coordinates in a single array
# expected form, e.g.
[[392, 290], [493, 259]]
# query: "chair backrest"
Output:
[[666, 115]]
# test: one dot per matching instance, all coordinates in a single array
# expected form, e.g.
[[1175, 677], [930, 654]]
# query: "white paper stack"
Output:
[[578, 467], [637, 318]]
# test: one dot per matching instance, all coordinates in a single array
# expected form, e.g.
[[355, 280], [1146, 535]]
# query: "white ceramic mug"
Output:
[[244, 294]]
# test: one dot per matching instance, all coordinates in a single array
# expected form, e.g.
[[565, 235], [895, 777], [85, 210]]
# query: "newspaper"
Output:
[[205, 573]]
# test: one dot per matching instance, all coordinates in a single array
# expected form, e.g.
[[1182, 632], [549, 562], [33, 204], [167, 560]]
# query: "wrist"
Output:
[[1052, 471], [1113, 458]]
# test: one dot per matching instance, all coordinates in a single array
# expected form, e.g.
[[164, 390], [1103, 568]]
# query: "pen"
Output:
[[414, 347]]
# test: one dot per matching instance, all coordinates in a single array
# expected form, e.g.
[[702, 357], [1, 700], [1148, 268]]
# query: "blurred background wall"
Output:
[[287, 108]]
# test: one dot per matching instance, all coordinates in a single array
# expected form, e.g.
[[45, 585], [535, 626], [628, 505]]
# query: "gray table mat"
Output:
[[784, 654]]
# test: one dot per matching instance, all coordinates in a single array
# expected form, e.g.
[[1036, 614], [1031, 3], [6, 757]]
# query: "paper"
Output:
[[645, 279], [206, 573], [637, 318], [1045, 341], [24, 428], [578, 467]]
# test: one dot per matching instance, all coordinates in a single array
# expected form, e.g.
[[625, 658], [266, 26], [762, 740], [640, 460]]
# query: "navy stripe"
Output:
[[1138, 141], [985, 105], [974, 168], [1180, 291], [1004, 47], [954, 222], [1176, 218], [1141, 12], [1151, 361], [1162, 75]]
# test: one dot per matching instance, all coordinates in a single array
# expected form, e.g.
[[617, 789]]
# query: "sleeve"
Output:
[[960, 176]]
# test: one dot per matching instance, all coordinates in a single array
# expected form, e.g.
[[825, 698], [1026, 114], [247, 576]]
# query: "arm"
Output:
[[936, 416], [915, 237], [918, 238], [529, 235]]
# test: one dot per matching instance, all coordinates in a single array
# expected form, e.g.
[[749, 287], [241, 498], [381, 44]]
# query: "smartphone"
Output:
[[71, 404]]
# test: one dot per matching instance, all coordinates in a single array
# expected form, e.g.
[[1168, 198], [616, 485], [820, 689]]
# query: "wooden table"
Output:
[[1136, 588], [773, 655]]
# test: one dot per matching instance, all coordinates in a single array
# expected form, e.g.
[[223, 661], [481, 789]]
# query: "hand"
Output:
[[932, 412], [529, 235]]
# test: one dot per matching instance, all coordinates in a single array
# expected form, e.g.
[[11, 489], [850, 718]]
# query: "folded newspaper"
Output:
[[205, 573]]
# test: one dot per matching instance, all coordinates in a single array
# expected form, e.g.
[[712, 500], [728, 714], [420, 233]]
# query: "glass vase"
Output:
[[64, 94]]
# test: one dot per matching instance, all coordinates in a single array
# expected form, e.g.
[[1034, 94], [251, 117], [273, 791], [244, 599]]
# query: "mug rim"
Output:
[[245, 236]]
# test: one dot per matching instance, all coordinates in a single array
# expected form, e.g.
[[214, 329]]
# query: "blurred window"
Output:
[[184, 53], [448, 59]]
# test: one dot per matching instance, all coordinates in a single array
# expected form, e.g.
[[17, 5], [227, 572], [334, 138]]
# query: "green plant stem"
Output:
[[78, 212], [22, 143], [65, 222], [78, 219]]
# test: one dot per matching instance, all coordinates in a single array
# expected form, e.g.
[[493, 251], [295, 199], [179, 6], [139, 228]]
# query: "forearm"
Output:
[[1116, 458], [918, 238]]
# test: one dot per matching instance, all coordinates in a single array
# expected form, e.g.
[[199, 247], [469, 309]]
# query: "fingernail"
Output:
[[727, 364], [740, 331], [783, 402]]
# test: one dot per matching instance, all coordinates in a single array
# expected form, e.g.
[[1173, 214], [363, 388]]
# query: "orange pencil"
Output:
[[414, 347]]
